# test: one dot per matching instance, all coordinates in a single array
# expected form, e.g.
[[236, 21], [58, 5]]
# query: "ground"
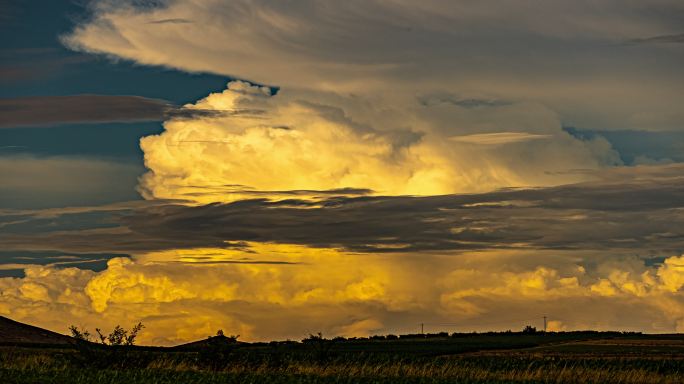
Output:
[[465, 358]]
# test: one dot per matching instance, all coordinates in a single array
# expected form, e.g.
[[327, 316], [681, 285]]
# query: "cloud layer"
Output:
[[181, 299], [629, 210], [569, 56], [365, 264], [48, 181]]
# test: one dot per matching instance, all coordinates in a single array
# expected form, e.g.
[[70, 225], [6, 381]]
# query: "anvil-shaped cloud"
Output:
[[574, 57], [394, 97]]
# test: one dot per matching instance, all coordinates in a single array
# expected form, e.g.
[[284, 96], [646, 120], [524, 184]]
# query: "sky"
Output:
[[280, 168]]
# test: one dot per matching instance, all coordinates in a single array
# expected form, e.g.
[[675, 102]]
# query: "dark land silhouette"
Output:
[[30, 354]]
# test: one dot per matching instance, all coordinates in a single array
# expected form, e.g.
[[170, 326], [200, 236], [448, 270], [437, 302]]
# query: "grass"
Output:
[[473, 359]]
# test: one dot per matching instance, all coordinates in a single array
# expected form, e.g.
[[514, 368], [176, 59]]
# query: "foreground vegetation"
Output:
[[493, 358]]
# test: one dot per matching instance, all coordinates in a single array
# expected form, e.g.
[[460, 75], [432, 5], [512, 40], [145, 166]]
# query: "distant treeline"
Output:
[[441, 335]]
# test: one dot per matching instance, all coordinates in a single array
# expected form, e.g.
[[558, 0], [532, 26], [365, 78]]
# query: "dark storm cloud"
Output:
[[637, 215], [88, 108], [642, 212]]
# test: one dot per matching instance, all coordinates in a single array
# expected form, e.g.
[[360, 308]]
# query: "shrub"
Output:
[[120, 336], [218, 351], [111, 352]]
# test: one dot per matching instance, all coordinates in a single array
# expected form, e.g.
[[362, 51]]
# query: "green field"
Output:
[[467, 358]]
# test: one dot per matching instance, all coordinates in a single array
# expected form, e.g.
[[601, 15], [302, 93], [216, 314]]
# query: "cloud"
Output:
[[54, 110], [411, 167], [574, 216], [347, 294], [436, 99], [16, 261], [639, 147], [172, 21], [344, 143], [363, 264], [14, 73], [567, 56], [677, 38], [20, 65], [624, 211], [58, 181], [498, 138]]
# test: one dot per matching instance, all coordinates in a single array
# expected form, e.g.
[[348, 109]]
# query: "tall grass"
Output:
[[30, 366]]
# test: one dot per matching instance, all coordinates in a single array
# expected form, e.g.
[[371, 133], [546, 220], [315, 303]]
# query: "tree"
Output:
[[81, 335], [105, 354], [118, 336]]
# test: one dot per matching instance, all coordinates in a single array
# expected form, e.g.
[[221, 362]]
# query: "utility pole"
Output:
[[422, 331], [544, 324]]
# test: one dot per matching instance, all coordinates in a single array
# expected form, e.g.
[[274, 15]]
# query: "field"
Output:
[[586, 357]]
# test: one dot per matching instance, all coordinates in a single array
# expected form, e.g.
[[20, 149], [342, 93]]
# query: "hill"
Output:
[[16, 333], [210, 342]]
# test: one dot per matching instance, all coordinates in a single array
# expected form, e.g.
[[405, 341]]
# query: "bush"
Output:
[[111, 352], [218, 351]]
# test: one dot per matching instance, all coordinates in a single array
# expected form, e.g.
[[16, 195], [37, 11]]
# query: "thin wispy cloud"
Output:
[[89, 108], [171, 21], [498, 138], [661, 39]]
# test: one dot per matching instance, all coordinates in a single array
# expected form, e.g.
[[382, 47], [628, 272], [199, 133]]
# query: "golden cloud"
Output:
[[307, 143], [266, 291]]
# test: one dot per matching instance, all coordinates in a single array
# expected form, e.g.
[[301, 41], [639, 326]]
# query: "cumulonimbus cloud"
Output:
[[391, 97], [345, 143]]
